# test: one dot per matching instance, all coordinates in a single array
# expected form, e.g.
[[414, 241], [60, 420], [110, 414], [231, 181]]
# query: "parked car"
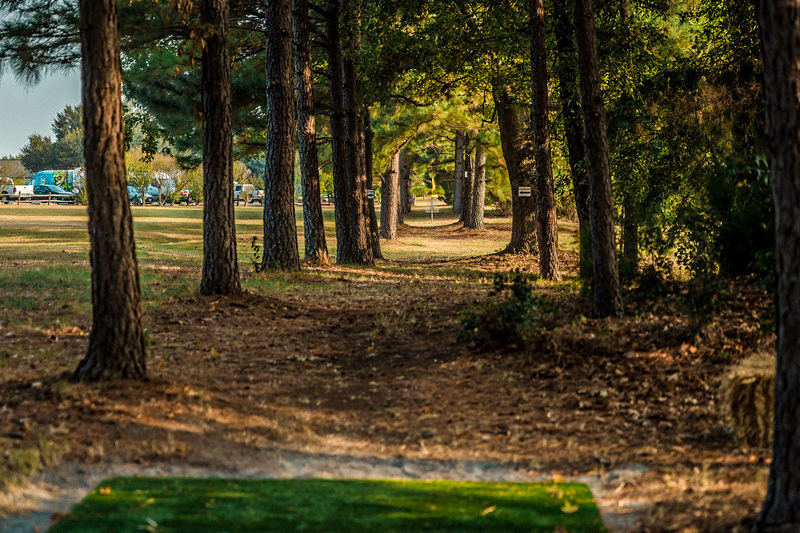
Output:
[[52, 193], [242, 192], [187, 197], [247, 193], [134, 196], [13, 193]]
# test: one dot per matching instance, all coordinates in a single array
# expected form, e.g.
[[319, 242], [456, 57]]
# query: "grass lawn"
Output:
[[192, 504]]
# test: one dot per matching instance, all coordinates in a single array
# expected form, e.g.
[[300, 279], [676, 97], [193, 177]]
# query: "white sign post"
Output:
[[370, 194], [524, 192]]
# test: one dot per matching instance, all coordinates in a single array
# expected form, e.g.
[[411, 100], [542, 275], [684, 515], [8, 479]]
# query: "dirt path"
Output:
[[345, 371]]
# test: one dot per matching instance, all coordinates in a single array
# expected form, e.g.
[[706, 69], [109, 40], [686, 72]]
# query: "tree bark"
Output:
[[479, 188], [354, 142], [406, 197], [403, 193], [567, 74], [546, 225], [374, 233], [779, 25], [605, 279], [518, 153], [116, 342], [280, 226], [344, 245], [316, 249], [220, 265], [390, 194], [469, 188], [458, 174]]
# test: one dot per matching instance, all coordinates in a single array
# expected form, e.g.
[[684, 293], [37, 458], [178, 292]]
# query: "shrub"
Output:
[[515, 319]]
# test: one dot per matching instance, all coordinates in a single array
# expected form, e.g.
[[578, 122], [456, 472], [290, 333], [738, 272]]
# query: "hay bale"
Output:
[[748, 393]]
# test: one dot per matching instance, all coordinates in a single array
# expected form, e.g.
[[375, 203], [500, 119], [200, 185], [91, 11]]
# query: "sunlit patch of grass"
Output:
[[181, 504], [46, 250]]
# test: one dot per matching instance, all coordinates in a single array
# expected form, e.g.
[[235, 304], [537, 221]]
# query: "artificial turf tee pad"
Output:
[[206, 504]]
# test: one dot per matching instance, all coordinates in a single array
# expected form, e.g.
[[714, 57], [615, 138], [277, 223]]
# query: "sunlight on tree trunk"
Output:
[[546, 225], [479, 188], [220, 265], [779, 24], [316, 249], [280, 227], [605, 273], [518, 154], [567, 72], [116, 342], [390, 194], [458, 174]]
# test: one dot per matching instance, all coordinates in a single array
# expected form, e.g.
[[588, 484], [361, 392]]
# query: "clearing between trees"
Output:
[[341, 366]]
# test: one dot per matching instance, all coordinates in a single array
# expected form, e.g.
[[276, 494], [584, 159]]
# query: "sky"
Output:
[[25, 110]]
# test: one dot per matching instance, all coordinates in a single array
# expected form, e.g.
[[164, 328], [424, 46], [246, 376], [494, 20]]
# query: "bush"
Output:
[[729, 229], [741, 198], [81, 197], [515, 319]]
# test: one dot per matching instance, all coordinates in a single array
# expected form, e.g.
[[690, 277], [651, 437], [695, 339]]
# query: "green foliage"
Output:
[[741, 199], [728, 226], [67, 121], [185, 504], [513, 320], [191, 179], [81, 196], [256, 249], [38, 154], [41, 153]]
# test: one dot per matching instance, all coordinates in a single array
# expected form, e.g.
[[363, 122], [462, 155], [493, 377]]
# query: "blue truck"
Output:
[[69, 180]]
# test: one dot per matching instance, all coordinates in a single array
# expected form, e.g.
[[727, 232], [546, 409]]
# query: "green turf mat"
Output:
[[199, 504]]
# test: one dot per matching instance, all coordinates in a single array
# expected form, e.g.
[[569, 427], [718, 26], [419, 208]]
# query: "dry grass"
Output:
[[749, 395]]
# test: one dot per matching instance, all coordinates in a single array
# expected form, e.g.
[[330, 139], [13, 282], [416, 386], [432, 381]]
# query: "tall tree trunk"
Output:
[[605, 278], [344, 245], [546, 225], [390, 193], [354, 141], [630, 238], [116, 342], [518, 153], [458, 174], [407, 198], [469, 188], [779, 25], [280, 226], [220, 266], [316, 249], [374, 234], [479, 188], [402, 192], [567, 73]]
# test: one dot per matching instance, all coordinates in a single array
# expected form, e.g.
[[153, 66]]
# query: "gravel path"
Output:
[[53, 494]]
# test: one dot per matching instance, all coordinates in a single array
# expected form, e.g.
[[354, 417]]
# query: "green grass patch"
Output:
[[192, 504]]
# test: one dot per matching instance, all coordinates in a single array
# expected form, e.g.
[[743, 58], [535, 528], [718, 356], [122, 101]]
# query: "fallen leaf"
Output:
[[489, 510], [569, 508]]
